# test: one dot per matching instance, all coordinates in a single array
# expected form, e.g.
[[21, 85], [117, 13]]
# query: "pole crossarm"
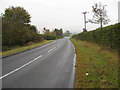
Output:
[[85, 18]]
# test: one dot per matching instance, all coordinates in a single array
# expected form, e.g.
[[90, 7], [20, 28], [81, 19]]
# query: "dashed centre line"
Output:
[[20, 67], [51, 49], [27, 63]]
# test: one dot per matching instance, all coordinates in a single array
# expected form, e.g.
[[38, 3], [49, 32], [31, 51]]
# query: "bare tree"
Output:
[[100, 15]]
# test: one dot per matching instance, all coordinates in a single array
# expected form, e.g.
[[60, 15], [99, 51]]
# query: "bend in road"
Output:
[[49, 66]]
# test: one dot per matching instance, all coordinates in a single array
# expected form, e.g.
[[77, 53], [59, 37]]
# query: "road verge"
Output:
[[24, 48], [96, 67]]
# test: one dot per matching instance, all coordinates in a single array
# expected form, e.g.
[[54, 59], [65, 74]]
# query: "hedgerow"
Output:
[[108, 36]]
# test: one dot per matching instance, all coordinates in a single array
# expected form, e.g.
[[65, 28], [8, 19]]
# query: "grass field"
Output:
[[23, 48], [96, 67]]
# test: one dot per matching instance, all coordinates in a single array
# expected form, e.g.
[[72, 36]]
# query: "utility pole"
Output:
[[85, 18]]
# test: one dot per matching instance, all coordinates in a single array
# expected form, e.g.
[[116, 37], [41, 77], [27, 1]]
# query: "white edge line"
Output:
[[51, 49], [72, 81], [20, 67], [75, 56]]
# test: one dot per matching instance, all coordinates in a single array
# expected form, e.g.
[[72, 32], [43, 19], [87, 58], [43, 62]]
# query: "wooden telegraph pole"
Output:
[[85, 18]]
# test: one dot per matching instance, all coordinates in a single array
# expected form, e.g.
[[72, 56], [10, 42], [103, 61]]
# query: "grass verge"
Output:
[[96, 67], [24, 48]]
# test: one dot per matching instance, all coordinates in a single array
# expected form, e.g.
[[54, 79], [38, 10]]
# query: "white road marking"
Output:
[[20, 67], [28, 62], [47, 44], [51, 49]]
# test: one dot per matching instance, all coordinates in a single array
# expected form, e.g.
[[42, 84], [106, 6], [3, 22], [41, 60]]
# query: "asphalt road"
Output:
[[48, 66]]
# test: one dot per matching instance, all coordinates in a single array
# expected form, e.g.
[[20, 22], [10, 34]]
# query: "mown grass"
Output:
[[29, 46], [100, 63]]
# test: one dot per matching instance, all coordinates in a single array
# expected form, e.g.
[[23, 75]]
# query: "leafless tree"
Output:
[[100, 15]]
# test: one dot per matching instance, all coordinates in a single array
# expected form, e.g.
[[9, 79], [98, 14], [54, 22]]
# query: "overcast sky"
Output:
[[64, 14]]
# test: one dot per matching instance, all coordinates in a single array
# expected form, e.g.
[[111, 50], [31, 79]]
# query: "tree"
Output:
[[59, 33], [46, 31], [100, 15], [33, 28], [16, 15], [16, 29]]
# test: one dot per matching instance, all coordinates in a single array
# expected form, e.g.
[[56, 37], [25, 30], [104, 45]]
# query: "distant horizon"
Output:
[[65, 14]]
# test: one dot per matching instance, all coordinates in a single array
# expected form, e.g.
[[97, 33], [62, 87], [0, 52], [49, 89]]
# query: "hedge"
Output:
[[108, 36]]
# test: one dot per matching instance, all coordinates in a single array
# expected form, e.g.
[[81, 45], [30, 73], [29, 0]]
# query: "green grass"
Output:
[[100, 63], [24, 48]]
